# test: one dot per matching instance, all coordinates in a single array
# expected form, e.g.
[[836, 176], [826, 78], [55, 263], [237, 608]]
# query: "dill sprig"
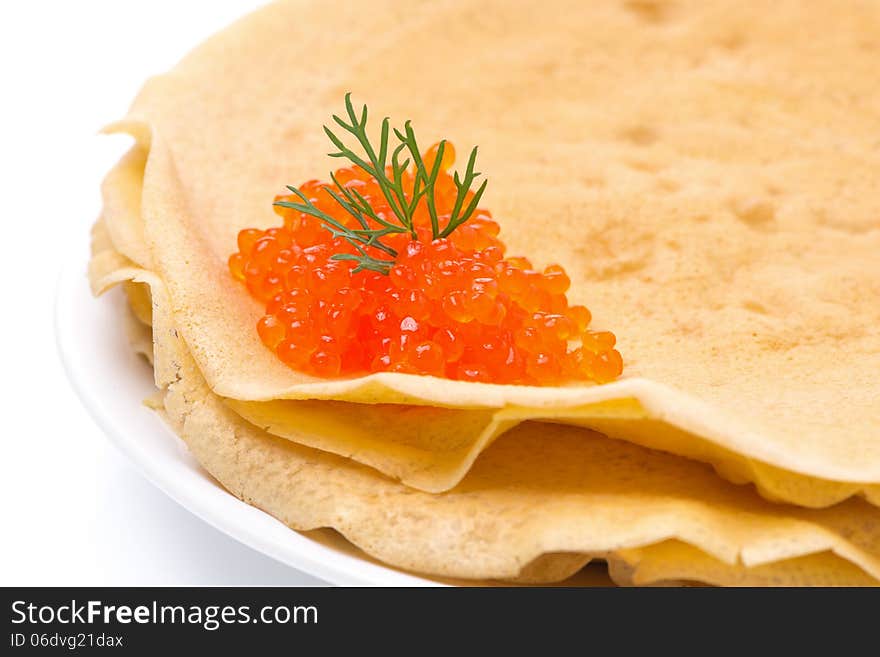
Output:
[[375, 161]]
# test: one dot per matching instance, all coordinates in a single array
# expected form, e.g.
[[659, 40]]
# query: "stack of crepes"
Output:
[[706, 172]]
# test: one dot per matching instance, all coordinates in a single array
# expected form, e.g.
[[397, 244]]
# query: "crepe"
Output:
[[692, 174]]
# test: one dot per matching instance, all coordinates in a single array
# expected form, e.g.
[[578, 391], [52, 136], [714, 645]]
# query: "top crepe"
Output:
[[706, 176]]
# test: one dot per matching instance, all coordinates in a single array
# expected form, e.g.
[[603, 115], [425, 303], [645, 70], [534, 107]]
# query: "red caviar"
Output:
[[453, 307]]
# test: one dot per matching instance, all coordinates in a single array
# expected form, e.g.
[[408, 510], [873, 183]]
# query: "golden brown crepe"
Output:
[[694, 174]]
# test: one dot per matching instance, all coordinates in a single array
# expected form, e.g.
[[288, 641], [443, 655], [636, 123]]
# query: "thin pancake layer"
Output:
[[673, 561], [108, 268], [121, 192], [432, 448], [709, 237]]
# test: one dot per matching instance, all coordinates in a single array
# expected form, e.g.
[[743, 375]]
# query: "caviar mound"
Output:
[[452, 307]]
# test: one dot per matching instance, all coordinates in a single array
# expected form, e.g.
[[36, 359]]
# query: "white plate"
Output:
[[112, 381]]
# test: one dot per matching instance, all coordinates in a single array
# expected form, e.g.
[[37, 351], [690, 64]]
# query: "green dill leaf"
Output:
[[402, 202]]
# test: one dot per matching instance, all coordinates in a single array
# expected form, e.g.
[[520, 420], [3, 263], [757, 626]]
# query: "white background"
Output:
[[74, 512]]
